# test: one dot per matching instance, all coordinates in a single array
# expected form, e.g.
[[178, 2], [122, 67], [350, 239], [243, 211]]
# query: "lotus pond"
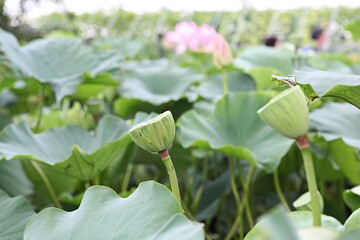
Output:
[[256, 144]]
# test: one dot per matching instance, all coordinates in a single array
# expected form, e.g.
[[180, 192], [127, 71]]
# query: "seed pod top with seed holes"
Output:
[[156, 134]]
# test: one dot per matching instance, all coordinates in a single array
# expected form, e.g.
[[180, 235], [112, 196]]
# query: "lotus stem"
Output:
[[48, 185], [303, 144], [236, 194], [97, 180], [40, 107], [279, 191], [197, 198], [225, 82], [249, 177], [165, 157], [205, 166], [240, 204], [126, 180], [188, 213]]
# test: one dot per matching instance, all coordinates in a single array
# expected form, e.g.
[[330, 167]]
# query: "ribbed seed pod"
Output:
[[156, 134], [287, 113]]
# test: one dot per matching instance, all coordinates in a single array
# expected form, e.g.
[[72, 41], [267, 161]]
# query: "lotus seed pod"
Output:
[[156, 134], [287, 113]]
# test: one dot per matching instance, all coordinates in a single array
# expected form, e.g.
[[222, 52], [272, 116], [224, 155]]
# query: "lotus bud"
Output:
[[287, 113], [156, 134], [222, 55]]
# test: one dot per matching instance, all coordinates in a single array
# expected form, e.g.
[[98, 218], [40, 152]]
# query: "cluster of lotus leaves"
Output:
[[235, 129]]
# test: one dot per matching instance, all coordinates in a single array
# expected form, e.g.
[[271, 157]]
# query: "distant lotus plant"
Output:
[[202, 39]]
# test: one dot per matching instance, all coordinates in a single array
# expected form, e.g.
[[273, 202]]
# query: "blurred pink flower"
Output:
[[170, 40], [173, 40], [206, 36], [222, 55], [202, 39], [183, 36]]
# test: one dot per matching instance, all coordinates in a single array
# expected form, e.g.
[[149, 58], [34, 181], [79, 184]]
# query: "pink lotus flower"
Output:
[[206, 36], [222, 55], [202, 39], [170, 39]]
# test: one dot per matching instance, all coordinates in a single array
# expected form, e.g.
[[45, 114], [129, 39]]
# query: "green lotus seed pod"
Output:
[[287, 113], [156, 134]]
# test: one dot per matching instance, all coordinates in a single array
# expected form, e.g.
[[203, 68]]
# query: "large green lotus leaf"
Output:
[[70, 149], [347, 158], [57, 61], [338, 123], [339, 56], [322, 62], [150, 212], [287, 224], [350, 235], [304, 219], [352, 197], [13, 179], [236, 130], [353, 222], [212, 88], [338, 120], [262, 56], [263, 76], [204, 107], [129, 48], [275, 225], [326, 169], [157, 81], [330, 84], [15, 214]]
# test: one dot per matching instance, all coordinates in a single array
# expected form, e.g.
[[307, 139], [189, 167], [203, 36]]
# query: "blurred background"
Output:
[[241, 22], [71, 62]]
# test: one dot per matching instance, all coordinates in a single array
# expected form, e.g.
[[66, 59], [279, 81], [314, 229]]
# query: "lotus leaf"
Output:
[[70, 149], [15, 214], [236, 130], [262, 56], [212, 88], [157, 82], [352, 197], [292, 221], [338, 120], [330, 84], [149, 213], [13, 179], [57, 61]]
